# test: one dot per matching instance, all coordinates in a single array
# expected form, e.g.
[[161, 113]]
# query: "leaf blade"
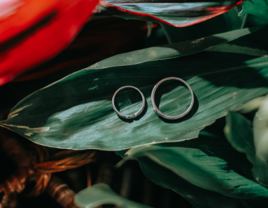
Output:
[[79, 116], [174, 13]]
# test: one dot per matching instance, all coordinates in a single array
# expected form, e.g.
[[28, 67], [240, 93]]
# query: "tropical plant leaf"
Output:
[[260, 130], [239, 133], [173, 50], [252, 105], [197, 196], [78, 113], [197, 162], [231, 48], [100, 194], [197, 169], [258, 8], [176, 13], [222, 23]]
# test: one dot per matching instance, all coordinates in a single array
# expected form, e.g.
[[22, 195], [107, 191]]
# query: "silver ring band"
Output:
[[158, 112], [135, 114]]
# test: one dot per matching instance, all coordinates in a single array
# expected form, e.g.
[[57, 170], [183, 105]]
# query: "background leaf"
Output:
[[100, 194], [105, 33], [203, 162], [194, 163], [175, 50], [176, 13], [79, 114], [258, 8], [239, 133], [222, 23]]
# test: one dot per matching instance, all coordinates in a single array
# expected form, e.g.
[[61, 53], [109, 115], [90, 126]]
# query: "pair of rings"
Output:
[[156, 110]]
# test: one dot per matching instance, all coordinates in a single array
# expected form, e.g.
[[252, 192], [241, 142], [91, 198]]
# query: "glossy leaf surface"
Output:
[[101, 194], [76, 112], [34, 31], [176, 13], [197, 196], [196, 161], [258, 8], [199, 168]]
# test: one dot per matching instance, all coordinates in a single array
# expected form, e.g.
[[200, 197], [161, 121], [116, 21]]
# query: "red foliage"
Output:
[[34, 31]]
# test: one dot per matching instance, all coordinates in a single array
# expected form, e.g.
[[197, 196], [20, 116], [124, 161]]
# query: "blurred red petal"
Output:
[[37, 31]]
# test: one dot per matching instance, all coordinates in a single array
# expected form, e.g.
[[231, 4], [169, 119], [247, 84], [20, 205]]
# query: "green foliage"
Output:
[[176, 12], [204, 163], [251, 140], [258, 8], [222, 23], [206, 171], [100, 194], [77, 114], [239, 133], [225, 71]]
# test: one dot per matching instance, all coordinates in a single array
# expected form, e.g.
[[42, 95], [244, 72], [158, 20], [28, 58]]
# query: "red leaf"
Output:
[[34, 31]]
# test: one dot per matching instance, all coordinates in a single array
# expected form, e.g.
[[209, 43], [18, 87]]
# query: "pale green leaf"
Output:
[[239, 133], [101, 194]]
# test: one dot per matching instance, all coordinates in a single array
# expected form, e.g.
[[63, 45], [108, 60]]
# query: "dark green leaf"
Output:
[[204, 163], [197, 196], [197, 169], [212, 143], [222, 23], [173, 50], [76, 112], [100, 194]]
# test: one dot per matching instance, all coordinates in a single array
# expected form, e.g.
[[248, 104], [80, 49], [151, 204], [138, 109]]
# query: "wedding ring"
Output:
[[158, 112], [135, 114]]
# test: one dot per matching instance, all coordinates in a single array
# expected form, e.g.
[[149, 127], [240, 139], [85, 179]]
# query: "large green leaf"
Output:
[[204, 163], [258, 8], [197, 169], [175, 50], [76, 112], [197, 196], [102, 194]]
